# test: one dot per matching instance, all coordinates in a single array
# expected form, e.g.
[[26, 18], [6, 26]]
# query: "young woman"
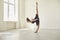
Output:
[[36, 19]]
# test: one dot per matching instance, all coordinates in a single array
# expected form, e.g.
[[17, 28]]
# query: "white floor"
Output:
[[44, 34]]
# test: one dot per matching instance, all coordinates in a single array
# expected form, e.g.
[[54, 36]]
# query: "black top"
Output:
[[36, 17]]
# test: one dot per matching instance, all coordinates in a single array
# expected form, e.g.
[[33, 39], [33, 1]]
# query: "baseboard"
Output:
[[49, 28]]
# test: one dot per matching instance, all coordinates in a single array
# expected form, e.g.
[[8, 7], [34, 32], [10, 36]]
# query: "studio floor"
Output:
[[43, 34]]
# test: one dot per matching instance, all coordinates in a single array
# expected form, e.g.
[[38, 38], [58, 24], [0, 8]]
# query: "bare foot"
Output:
[[28, 20], [36, 31]]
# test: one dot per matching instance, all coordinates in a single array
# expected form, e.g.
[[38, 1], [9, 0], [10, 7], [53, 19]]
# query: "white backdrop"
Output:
[[49, 13]]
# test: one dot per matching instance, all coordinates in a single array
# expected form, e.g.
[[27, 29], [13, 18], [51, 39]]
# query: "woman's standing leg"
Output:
[[38, 25], [37, 29]]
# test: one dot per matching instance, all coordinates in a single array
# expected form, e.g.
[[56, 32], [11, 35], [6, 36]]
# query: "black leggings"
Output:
[[37, 22]]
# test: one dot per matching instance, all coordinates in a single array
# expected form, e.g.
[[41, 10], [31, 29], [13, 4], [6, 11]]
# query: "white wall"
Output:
[[7, 25], [21, 13], [1, 10], [29, 11], [49, 13]]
